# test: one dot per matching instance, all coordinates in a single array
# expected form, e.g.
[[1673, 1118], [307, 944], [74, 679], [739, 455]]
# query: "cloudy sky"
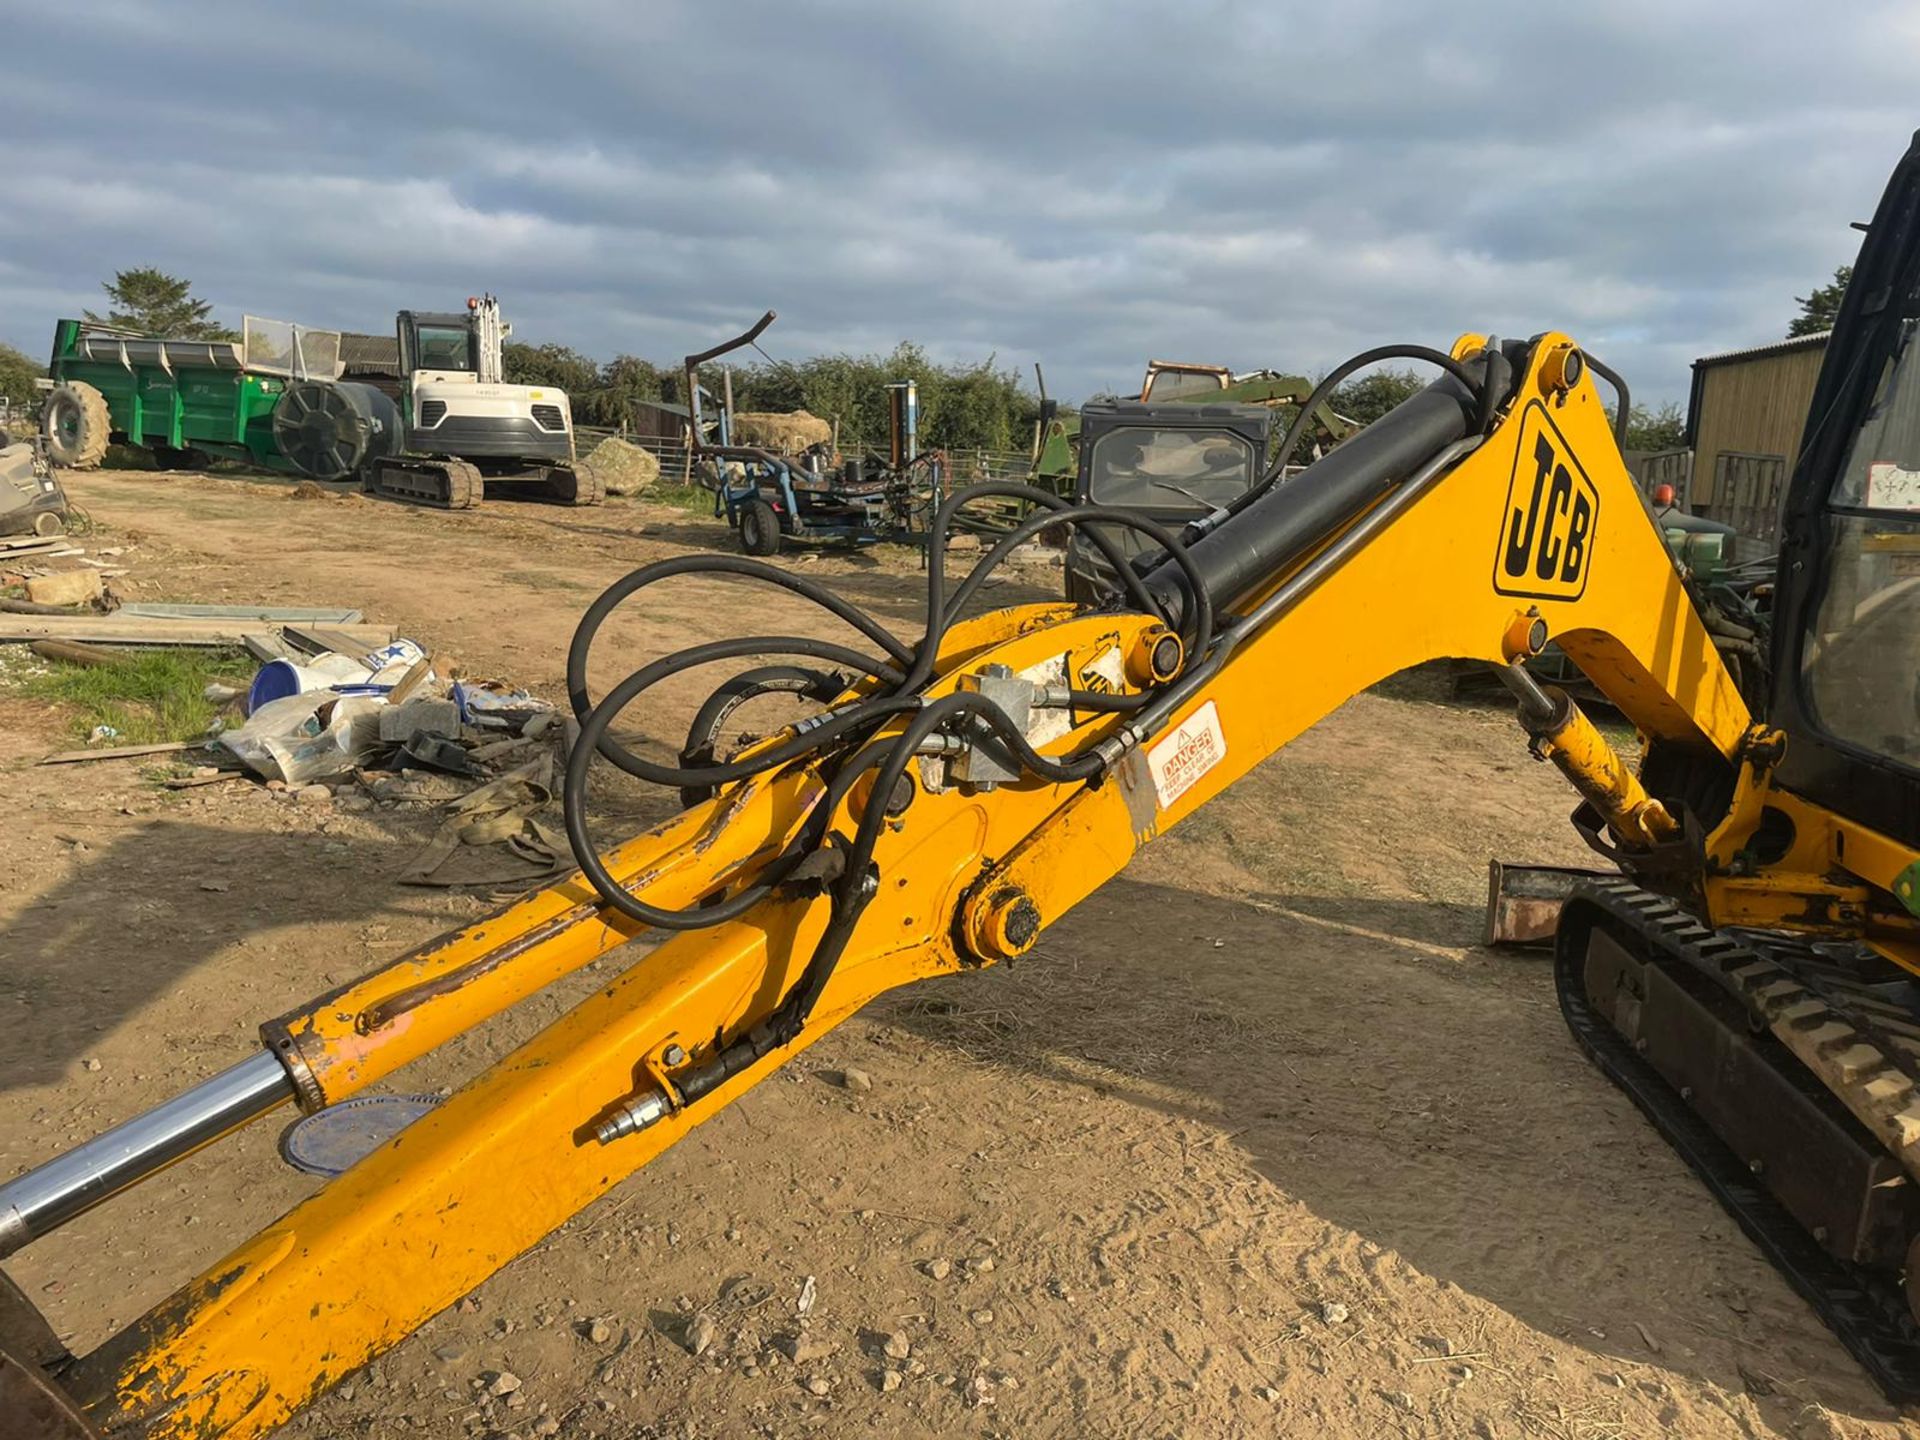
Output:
[[1081, 184]]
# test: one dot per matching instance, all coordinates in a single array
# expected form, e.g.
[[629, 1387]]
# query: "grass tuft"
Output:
[[696, 498], [150, 697]]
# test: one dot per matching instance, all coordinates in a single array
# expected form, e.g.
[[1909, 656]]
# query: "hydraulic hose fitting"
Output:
[[632, 1117], [1002, 923]]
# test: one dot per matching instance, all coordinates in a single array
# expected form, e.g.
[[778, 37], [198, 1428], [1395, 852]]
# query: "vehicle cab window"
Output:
[[1861, 660]]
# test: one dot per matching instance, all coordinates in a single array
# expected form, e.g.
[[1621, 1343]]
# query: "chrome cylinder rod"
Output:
[[46, 1197]]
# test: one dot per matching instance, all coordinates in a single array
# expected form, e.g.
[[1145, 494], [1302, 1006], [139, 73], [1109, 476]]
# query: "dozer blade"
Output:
[[1524, 901]]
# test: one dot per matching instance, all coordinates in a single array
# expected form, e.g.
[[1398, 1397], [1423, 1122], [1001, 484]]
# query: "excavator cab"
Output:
[[1846, 644], [444, 343], [1168, 380]]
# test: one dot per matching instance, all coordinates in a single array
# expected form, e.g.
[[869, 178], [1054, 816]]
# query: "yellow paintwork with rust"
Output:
[[419, 1223]]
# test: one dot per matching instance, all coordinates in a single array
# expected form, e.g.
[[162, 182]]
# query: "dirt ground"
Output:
[[1259, 1142]]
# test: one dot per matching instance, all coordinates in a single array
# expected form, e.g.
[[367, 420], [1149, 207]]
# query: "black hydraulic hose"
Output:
[[703, 734], [1334, 379], [610, 598], [899, 692], [812, 735], [937, 610], [855, 886], [1202, 611], [737, 690], [574, 812]]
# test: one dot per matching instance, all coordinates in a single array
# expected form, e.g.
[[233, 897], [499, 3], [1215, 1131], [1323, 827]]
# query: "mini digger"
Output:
[[1744, 966]]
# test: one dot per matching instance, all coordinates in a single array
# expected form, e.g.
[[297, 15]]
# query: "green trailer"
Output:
[[187, 401]]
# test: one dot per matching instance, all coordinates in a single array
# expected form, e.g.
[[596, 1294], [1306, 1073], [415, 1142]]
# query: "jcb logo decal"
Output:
[[1553, 509]]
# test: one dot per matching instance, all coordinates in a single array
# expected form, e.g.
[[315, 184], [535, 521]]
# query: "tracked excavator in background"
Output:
[[429, 418], [1744, 966]]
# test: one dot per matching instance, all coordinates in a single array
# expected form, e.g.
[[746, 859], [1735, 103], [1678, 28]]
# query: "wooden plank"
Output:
[[74, 654], [194, 782], [270, 645], [279, 614], [122, 752], [38, 553], [135, 630], [317, 639]]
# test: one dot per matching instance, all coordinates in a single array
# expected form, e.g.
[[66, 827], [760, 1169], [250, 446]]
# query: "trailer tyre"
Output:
[[759, 528], [75, 426]]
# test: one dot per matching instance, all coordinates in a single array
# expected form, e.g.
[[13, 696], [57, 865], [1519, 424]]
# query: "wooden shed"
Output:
[[1743, 425]]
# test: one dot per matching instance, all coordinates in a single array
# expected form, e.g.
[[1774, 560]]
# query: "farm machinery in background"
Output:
[[813, 496], [1056, 455], [424, 417]]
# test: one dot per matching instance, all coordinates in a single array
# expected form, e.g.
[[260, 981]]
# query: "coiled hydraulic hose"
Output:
[[884, 689]]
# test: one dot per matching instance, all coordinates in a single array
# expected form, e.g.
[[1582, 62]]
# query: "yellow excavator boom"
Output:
[[1027, 754]]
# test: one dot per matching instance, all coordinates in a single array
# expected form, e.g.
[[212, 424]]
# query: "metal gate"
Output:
[[1746, 494]]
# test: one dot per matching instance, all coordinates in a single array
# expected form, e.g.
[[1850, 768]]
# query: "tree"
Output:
[[1818, 310], [1662, 429], [17, 375], [962, 406], [1371, 396], [151, 302], [555, 365]]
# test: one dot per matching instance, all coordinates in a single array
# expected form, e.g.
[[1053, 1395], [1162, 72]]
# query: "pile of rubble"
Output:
[[399, 725]]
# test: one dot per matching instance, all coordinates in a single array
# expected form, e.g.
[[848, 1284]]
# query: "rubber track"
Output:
[[583, 483], [1866, 1309], [460, 487]]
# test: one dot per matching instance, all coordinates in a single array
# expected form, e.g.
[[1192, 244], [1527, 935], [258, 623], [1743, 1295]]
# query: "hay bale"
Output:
[[626, 469], [784, 434]]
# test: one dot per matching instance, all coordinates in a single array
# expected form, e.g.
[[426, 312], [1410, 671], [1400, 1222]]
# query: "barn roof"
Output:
[[1763, 352]]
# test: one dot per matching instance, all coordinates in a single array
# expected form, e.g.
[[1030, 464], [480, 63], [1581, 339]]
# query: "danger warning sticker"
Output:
[[1189, 751]]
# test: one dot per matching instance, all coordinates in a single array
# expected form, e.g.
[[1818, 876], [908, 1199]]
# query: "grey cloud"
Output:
[[1084, 184]]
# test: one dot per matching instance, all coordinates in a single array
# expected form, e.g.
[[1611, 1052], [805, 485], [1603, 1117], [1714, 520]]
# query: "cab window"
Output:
[[1861, 662], [1179, 470], [445, 347]]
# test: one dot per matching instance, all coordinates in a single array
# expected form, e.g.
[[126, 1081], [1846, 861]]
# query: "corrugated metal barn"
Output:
[[1743, 425]]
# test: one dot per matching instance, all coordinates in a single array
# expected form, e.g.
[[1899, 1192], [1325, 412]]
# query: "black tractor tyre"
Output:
[[759, 528], [76, 426]]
